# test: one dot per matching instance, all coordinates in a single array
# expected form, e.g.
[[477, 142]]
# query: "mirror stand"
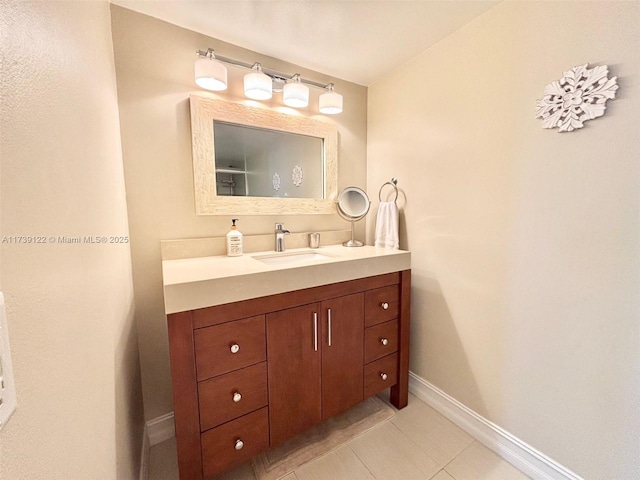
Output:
[[353, 242]]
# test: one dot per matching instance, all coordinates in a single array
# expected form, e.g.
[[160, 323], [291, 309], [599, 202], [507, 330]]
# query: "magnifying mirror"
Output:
[[353, 204]]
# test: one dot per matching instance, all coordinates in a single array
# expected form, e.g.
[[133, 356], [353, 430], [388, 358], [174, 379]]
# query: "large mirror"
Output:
[[256, 162], [250, 160]]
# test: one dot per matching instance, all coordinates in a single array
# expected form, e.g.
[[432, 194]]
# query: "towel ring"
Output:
[[393, 183]]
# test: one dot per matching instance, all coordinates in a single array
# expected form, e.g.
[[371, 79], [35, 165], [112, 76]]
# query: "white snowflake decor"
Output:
[[276, 181], [579, 96], [296, 176]]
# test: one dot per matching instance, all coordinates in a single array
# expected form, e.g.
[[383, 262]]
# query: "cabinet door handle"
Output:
[[384, 305], [235, 348], [384, 342], [329, 326], [237, 397], [239, 444], [383, 376], [315, 331]]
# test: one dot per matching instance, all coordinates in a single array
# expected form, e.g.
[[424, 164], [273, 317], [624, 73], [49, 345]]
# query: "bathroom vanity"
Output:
[[267, 345]]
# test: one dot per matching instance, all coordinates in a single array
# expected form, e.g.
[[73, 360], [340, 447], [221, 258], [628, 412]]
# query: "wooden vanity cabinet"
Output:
[[249, 375]]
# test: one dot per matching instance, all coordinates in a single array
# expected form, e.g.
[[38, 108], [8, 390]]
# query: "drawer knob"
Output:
[[384, 305], [384, 341], [383, 376], [239, 444], [235, 348], [237, 397]]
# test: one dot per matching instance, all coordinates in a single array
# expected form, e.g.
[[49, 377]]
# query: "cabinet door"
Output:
[[342, 353], [293, 364]]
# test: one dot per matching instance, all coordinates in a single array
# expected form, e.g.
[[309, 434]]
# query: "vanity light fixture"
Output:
[[210, 73], [295, 94], [261, 83], [257, 85], [330, 102], [278, 84]]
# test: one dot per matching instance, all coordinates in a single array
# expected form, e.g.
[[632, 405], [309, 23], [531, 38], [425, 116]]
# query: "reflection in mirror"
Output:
[[353, 204], [259, 162], [227, 182]]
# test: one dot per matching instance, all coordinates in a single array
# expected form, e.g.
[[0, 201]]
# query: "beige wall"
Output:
[[70, 306], [154, 66], [524, 241]]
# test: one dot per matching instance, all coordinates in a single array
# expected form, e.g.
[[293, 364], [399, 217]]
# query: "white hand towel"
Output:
[[387, 226]]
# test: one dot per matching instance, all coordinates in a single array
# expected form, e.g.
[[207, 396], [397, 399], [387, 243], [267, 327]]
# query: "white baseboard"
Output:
[[160, 429], [144, 455], [155, 431], [524, 457]]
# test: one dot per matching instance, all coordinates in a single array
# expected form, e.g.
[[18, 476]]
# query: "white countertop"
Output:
[[207, 281]]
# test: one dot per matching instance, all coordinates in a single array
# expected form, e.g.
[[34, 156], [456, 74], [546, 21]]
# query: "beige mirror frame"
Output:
[[204, 110]]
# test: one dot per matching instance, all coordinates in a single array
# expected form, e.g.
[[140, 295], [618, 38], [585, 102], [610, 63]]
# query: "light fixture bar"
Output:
[[272, 73]]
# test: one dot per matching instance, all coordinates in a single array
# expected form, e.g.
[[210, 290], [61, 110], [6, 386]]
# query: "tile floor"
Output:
[[417, 444]]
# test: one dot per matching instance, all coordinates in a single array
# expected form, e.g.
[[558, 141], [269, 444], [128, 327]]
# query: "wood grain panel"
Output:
[[400, 392], [373, 346], [219, 444], [294, 372], [373, 381], [213, 347], [217, 404], [342, 357], [185, 395], [374, 302]]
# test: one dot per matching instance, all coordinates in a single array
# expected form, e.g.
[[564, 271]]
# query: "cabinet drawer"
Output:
[[380, 340], [381, 305], [232, 395], [230, 346], [220, 445], [380, 374]]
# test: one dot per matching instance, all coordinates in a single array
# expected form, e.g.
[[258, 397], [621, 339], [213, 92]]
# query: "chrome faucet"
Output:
[[280, 233]]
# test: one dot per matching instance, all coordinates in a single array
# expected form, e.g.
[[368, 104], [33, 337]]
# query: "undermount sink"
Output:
[[292, 258]]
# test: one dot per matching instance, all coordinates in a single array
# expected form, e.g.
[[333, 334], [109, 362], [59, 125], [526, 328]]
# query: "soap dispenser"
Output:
[[234, 240]]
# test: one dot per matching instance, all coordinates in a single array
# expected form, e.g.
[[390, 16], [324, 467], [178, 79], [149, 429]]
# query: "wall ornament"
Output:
[[580, 95], [296, 175]]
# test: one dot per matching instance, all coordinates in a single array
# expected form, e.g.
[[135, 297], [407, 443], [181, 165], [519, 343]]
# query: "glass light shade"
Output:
[[330, 103], [211, 74], [295, 95], [257, 85]]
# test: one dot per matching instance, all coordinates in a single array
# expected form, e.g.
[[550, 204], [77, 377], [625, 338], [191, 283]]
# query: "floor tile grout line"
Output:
[[459, 453], [449, 422], [348, 444], [404, 435], [360, 460], [415, 443], [436, 474]]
